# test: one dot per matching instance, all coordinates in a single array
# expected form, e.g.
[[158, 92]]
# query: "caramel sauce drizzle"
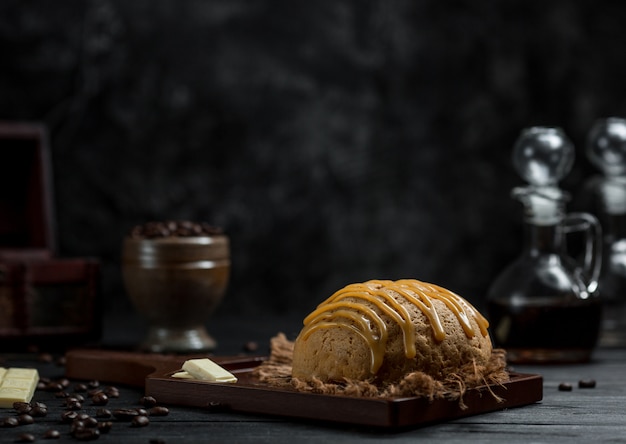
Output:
[[366, 322]]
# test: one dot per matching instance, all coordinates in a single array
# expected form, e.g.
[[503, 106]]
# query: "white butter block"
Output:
[[17, 385], [207, 370], [182, 375]]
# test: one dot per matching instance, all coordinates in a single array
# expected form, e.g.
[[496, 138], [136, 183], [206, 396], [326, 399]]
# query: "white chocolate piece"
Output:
[[17, 385], [207, 370], [182, 375]]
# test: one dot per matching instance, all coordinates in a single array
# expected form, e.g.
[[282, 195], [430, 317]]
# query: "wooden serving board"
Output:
[[249, 395]]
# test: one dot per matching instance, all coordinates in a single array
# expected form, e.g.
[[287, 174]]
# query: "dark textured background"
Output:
[[334, 141]]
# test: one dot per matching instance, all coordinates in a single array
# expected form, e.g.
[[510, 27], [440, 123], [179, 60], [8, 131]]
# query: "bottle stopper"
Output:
[[606, 150], [542, 156]]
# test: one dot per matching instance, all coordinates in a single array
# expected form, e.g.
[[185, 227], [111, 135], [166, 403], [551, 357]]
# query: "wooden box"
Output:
[[45, 300]]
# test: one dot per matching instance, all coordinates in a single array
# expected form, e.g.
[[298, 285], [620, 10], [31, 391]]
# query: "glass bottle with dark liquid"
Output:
[[606, 149], [544, 307]]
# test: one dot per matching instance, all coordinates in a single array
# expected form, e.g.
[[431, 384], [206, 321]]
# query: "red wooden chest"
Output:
[[45, 301]]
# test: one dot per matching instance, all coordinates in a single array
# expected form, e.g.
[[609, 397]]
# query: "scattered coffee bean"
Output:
[[11, 421], [103, 413], [93, 384], [65, 383], [587, 383], [52, 434], [159, 411], [565, 387], [79, 397], [86, 434], [82, 416], [61, 394], [105, 426], [90, 422], [25, 419], [95, 391], [41, 385], [148, 401], [251, 346], [39, 411], [125, 414], [45, 357], [112, 392], [80, 387], [69, 416], [141, 411], [73, 404], [77, 424], [54, 387], [140, 421], [22, 407], [100, 399], [26, 437], [61, 361]]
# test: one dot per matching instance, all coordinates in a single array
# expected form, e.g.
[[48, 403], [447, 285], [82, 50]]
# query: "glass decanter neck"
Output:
[[543, 206], [542, 239]]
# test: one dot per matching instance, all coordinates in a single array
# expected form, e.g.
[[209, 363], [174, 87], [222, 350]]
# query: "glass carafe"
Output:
[[544, 307], [606, 149]]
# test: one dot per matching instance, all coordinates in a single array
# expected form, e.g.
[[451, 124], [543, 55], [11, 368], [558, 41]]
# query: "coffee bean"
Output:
[[11, 421], [148, 401], [52, 434], [565, 387], [77, 424], [159, 411], [112, 392], [73, 404], [100, 399], [90, 422], [125, 414], [22, 407], [85, 434], [69, 416], [251, 346], [54, 387], [39, 411], [105, 426], [26, 437], [45, 357], [587, 383], [140, 421], [103, 413], [80, 387], [93, 384], [61, 394], [65, 383], [25, 418]]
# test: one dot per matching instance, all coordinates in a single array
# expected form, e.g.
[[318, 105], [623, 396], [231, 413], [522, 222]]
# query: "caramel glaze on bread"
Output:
[[382, 330]]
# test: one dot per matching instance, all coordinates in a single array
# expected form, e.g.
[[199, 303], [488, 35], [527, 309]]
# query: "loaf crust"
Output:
[[424, 328]]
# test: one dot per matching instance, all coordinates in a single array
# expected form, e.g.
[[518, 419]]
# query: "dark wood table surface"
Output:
[[580, 415]]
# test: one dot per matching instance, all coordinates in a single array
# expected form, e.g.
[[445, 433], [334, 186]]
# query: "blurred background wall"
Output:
[[334, 141]]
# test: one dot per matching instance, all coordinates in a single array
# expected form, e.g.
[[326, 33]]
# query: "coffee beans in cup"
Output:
[[174, 228]]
